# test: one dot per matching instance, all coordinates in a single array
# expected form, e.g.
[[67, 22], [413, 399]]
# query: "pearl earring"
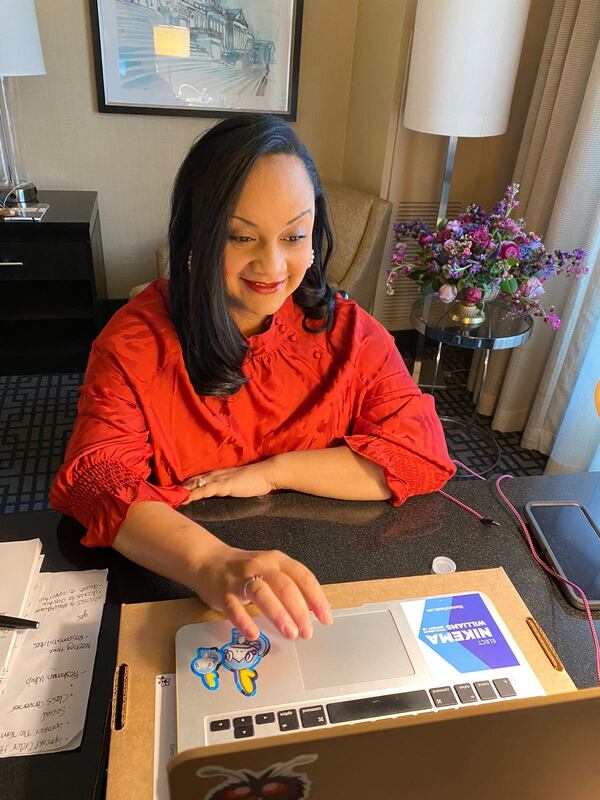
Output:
[[312, 260]]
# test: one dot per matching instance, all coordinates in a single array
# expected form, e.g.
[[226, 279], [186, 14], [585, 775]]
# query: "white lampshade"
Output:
[[20, 48], [463, 68]]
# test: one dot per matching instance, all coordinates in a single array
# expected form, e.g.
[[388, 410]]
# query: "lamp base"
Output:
[[19, 196]]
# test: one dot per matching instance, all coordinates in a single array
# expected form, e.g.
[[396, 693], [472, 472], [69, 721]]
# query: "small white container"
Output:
[[441, 565]]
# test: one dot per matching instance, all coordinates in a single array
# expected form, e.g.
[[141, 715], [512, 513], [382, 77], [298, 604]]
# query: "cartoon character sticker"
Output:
[[205, 666], [279, 781], [240, 656]]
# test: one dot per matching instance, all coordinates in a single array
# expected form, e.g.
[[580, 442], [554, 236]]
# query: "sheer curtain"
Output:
[[543, 385]]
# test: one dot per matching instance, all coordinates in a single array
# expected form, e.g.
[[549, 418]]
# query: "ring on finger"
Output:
[[249, 582], [200, 482]]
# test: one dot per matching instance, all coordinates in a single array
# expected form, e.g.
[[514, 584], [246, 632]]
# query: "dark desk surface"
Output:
[[340, 541]]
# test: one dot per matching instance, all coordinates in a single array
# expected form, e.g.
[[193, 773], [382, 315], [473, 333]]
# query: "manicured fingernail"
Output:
[[307, 632], [326, 617], [290, 631]]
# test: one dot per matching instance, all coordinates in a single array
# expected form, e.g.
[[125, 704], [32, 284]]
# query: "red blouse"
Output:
[[142, 430]]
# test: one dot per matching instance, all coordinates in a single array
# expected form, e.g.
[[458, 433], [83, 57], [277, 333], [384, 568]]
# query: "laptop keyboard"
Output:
[[285, 720]]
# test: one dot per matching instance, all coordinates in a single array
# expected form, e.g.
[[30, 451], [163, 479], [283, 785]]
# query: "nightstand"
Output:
[[52, 285]]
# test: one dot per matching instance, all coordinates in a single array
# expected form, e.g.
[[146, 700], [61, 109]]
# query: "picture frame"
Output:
[[209, 58]]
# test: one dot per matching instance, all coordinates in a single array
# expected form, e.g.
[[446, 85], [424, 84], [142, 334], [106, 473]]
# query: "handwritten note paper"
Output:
[[44, 698]]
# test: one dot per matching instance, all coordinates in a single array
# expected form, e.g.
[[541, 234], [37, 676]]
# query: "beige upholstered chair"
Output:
[[360, 223]]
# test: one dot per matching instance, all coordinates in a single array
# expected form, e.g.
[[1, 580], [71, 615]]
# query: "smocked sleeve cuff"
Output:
[[405, 473], [101, 494]]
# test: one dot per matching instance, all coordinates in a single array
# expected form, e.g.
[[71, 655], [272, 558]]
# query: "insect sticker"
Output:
[[240, 656], [279, 781]]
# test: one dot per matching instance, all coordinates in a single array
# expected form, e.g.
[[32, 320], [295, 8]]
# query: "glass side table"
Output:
[[498, 331]]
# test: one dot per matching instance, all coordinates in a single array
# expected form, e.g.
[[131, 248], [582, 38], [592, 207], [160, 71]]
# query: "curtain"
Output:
[[543, 384]]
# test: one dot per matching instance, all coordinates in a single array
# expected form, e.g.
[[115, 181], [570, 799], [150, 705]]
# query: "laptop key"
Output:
[[242, 722], [485, 690], [442, 696], [243, 731], [313, 716], [220, 725], [288, 720], [504, 687], [378, 706], [264, 719], [465, 693]]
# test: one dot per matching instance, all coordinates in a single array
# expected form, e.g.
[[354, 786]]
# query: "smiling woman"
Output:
[[243, 374]]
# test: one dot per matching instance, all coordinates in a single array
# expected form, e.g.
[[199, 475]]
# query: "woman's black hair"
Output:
[[206, 190]]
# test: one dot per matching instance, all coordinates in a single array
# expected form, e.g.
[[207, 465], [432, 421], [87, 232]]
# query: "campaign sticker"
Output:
[[462, 631]]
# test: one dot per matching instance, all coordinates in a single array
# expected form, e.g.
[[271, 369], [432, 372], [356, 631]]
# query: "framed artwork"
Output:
[[197, 57]]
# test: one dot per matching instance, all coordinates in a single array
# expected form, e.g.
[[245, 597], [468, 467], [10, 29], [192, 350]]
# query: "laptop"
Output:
[[377, 661]]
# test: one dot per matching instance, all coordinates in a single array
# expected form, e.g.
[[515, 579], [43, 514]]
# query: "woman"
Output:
[[243, 374]]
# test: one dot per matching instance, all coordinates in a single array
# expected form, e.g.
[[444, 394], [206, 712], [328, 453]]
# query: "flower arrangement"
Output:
[[479, 254]]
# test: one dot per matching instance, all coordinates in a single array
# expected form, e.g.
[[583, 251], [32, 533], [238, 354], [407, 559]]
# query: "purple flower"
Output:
[[449, 245], [400, 250], [447, 293], [532, 288], [509, 250], [553, 320], [481, 237], [426, 238], [455, 226], [472, 294]]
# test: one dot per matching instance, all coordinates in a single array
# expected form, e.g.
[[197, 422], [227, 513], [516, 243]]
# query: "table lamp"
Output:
[[20, 54], [463, 67]]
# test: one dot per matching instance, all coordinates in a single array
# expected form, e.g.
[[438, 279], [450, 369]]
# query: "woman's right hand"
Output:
[[285, 591]]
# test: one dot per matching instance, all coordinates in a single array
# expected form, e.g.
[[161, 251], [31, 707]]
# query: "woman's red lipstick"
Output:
[[263, 288]]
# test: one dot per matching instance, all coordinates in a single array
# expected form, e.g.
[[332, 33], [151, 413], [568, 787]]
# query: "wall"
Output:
[[131, 159], [349, 117], [382, 156]]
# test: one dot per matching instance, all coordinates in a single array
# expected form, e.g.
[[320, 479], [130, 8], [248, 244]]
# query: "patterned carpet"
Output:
[[37, 414]]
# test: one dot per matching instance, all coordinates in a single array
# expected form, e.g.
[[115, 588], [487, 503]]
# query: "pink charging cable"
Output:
[[528, 539]]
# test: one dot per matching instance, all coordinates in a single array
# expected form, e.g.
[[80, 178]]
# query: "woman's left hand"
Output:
[[251, 480]]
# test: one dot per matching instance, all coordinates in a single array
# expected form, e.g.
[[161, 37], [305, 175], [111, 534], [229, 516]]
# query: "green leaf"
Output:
[[509, 286], [442, 224]]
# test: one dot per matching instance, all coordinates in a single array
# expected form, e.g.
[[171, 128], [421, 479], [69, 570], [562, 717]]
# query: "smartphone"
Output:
[[570, 541]]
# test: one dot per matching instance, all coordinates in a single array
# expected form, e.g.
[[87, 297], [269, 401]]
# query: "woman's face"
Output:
[[269, 245]]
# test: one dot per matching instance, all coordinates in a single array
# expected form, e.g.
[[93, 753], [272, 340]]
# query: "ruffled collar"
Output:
[[279, 329]]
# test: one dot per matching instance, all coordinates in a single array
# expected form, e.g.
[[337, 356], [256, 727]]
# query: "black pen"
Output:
[[16, 623]]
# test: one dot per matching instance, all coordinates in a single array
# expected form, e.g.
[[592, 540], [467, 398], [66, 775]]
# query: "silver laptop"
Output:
[[378, 660]]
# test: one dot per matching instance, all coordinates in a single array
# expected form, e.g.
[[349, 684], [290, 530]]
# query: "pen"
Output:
[[17, 623]]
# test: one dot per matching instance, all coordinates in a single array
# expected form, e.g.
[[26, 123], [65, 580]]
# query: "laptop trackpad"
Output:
[[357, 648]]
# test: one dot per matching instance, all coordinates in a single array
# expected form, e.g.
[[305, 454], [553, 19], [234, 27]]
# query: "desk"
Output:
[[340, 541]]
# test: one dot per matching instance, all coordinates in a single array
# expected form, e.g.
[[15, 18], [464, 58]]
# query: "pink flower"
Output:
[[472, 294], [481, 237], [509, 250], [449, 245], [532, 288], [426, 238], [447, 293]]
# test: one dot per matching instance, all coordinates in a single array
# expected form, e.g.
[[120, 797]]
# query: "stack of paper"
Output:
[[20, 564], [46, 673]]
